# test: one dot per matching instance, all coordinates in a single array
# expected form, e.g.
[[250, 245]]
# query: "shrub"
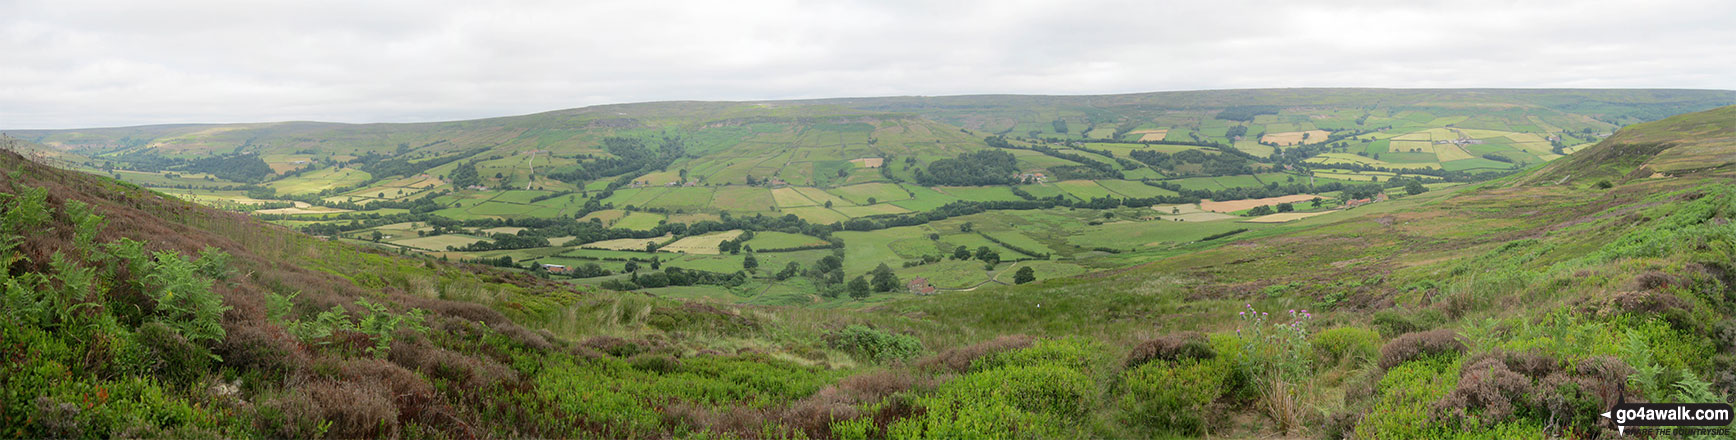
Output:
[[1171, 397], [1013, 401], [213, 263], [1346, 344], [877, 345], [1174, 347], [1400, 408], [474, 373], [616, 347], [1392, 323], [355, 409], [871, 387], [1411, 346], [263, 348], [184, 300], [292, 414], [1488, 393], [373, 333], [959, 359], [177, 359], [1070, 353], [655, 363]]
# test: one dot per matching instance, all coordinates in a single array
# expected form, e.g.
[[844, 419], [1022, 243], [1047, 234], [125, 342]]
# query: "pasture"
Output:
[[319, 180], [788, 197], [1188, 212], [1285, 217], [1132, 235], [1083, 189], [438, 242], [817, 215], [782, 240], [1244, 204], [1289, 138], [863, 250], [1151, 135], [880, 192], [701, 244], [628, 244], [866, 211], [639, 221], [979, 193], [948, 274], [745, 198]]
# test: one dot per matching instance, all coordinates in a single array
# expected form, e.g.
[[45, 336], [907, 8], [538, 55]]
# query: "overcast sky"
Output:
[[73, 63]]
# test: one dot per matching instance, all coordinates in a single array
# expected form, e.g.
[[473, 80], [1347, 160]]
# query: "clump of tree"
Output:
[[883, 280], [986, 167], [1415, 187], [859, 288], [675, 276], [1236, 131], [465, 175], [235, 167]]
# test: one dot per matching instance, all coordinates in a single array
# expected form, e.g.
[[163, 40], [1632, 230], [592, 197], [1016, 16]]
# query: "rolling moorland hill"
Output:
[[733, 194], [1517, 307]]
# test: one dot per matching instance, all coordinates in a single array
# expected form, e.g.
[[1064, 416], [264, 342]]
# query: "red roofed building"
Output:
[[920, 286]]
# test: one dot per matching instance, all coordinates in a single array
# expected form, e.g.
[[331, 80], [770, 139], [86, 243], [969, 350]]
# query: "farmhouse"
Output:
[[920, 286], [556, 268]]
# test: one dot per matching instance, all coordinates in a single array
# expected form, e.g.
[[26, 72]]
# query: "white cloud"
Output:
[[88, 63]]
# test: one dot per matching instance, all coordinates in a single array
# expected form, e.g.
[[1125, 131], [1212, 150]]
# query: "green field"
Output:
[[978, 193], [642, 221], [1083, 189], [880, 192], [782, 240], [865, 250], [320, 180]]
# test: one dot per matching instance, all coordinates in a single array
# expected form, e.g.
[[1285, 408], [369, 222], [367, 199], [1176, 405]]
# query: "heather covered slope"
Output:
[[130, 314], [1679, 145], [1495, 310]]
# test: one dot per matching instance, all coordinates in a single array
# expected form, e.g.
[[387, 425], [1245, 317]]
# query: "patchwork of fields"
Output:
[[850, 171]]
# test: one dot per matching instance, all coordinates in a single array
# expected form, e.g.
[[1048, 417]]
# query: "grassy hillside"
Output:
[[1678, 145], [1490, 310]]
